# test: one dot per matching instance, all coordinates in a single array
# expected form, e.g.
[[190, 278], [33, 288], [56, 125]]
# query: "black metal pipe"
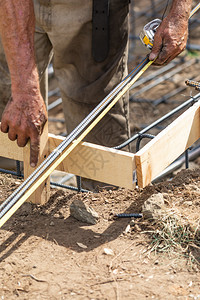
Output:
[[163, 78], [186, 159], [78, 180], [131, 215], [174, 111], [69, 187], [141, 137]]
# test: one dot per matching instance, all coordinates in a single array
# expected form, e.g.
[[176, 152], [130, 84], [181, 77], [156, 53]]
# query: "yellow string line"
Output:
[[194, 10]]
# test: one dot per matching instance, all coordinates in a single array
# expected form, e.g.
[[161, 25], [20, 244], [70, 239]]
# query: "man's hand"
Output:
[[25, 114], [170, 40], [23, 119], [171, 36]]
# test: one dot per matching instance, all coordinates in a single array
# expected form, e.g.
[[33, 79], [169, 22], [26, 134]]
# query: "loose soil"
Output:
[[47, 254]]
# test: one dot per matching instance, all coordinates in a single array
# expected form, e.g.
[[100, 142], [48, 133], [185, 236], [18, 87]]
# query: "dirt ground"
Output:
[[47, 254]]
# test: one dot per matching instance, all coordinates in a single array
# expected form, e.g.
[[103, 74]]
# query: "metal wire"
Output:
[[131, 215], [8, 172], [69, 187], [141, 137], [186, 159], [78, 180]]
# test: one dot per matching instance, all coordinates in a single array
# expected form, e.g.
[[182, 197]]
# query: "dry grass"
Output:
[[174, 232]]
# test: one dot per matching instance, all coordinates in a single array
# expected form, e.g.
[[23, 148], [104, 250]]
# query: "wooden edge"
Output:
[[41, 195], [10, 149], [86, 160], [98, 163], [169, 144]]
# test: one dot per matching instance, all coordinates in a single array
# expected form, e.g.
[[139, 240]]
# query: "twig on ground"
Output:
[[34, 278]]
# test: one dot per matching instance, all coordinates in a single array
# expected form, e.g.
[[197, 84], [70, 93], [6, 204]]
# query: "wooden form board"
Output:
[[86, 160], [98, 163], [168, 145]]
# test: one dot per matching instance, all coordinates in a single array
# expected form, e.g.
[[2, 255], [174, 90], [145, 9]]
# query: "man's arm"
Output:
[[25, 114], [171, 36]]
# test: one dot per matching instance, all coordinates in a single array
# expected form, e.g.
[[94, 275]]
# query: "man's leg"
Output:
[[83, 81]]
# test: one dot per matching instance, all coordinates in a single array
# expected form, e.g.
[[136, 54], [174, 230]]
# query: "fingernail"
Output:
[[33, 165], [152, 56]]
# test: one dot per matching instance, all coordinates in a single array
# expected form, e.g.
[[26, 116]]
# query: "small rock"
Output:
[[8, 268], [137, 228], [189, 203], [17, 182], [97, 236], [127, 229], [153, 207], [51, 223], [83, 212], [108, 251], [190, 284], [82, 245]]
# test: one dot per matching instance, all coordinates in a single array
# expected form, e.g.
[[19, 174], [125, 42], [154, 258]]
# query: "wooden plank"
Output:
[[88, 160], [41, 195], [169, 144], [10, 149], [98, 163]]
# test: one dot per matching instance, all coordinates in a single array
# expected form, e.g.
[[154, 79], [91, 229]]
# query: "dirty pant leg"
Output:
[[111, 131], [83, 81]]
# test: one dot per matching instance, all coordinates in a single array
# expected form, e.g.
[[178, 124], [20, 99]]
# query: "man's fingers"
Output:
[[163, 56], [4, 126], [22, 139], [12, 134], [157, 46], [170, 58], [34, 151]]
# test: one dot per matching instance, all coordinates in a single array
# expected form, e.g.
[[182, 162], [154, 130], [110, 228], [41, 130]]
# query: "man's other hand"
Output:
[[24, 118]]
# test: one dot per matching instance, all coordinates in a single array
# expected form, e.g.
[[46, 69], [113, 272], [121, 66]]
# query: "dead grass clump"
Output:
[[175, 232]]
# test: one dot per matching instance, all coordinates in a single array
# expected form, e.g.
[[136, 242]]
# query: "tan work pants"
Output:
[[64, 29]]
